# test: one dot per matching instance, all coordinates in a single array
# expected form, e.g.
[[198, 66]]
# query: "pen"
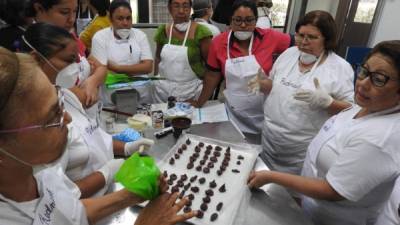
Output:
[[130, 48]]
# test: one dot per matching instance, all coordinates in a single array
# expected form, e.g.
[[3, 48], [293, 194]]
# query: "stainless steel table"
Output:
[[270, 206]]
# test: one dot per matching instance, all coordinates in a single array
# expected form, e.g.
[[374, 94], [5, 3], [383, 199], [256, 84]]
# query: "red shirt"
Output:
[[266, 42]]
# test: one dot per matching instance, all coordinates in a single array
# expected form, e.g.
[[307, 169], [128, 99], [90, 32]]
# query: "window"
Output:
[[365, 11], [160, 13], [278, 12]]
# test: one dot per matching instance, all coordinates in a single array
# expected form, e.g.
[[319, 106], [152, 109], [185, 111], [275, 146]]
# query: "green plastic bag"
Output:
[[140, 175]]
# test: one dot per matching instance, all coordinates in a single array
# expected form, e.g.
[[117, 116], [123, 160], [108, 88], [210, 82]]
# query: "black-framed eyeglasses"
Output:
[[250, 20], [377, 79], [59, 123]]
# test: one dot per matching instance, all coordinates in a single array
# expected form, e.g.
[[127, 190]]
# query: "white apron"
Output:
[[125, 52], [81, 23], [245, 109], [58, 202], [284, 149], [181, 81], [98, 142]]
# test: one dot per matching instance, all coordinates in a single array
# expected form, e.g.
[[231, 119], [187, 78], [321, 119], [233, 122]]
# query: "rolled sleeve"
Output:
[[99, 50], [359, 169]]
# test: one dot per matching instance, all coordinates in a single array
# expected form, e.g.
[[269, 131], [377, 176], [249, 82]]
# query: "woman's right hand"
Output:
[[257, 179], [164, 211]]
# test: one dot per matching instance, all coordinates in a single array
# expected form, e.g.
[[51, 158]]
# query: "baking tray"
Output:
[[235, 182]]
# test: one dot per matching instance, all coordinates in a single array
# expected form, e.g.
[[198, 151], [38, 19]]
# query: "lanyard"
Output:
[[186, 35]]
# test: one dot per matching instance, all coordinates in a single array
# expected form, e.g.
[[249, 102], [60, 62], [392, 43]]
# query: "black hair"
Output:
[[389, 49], [45, 38], [199, 13], [325, 24], [119, 3], [170, 1], [101, 6], [247, 4], [13, 11], [46, 4]]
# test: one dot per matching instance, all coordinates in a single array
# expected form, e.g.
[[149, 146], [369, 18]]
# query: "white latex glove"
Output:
[[134, 146], [254, 84], [317, 99], [110, 169]]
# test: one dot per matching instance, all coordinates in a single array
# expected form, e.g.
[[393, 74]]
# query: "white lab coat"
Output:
[[390, 214], [360, 159], [289, 124], [58, 203], [105, 47], [89, 146], [181, 81]]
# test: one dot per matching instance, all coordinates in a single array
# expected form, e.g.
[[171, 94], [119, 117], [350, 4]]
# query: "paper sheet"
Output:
[[210, 113]]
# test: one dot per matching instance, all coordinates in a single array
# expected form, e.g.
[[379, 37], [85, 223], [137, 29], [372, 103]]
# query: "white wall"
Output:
[[326, 5], [387, 26]]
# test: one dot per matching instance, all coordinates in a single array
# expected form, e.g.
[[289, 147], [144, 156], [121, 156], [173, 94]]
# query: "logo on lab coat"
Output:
[[45, 217]]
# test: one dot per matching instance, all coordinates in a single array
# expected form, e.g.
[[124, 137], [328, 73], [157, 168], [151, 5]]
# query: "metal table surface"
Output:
[[271, 205]]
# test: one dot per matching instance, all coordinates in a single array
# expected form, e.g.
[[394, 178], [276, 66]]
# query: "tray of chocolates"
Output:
[[211, 173]]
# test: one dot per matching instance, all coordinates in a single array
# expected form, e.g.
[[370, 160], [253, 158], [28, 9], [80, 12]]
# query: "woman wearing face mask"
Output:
[[124, 50], [307, 84], [87, 76], [91, 164], [353, 162], [240, 54], [182, 49], [33, 189], [202, 12]]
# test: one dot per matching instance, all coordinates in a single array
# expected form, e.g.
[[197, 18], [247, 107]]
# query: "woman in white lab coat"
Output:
[[308, 83], [238, 55], [353, 162], [91, 162], [85, 75], [33, 187], [182, 49], [123, 49]]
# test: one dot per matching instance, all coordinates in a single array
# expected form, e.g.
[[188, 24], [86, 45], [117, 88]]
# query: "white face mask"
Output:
[[182, 27], [242, 35], [123, 33], [307, 58], [68, 76]]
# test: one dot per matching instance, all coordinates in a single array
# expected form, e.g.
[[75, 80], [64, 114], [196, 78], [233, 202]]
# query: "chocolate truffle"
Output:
[[235, 171], [210, 165], [214, 217], [209, 147], [213, 184], [193, 179], [218, 148], [200, 214], [190, 166], [209, 192], [187, 186], [206, 170], [191, 197], [203, 207], [194, 189], [219, 206], [188, 141], [174, 189], [238, 163], [219, 172], [217, 154], [240, 157], [183, 177], [170, 182], [202, 180], [180, 151], [198, 168], [187, 209], [202, 162], [201, 144], [172, 161], [165, 174], [207, 199], [184, 147], [222, 189], [173, 176], [197, 149], [177, 156]]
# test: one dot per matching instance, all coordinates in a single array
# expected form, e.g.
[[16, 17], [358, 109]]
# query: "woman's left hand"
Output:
[[91, 90], [257, 179]]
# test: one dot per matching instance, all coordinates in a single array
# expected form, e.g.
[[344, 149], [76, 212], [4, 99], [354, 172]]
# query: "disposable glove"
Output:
[[254, 84], [134, 146], [110, 169], [317, 99]]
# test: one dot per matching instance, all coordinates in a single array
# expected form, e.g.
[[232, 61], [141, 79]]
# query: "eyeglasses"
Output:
[[377, 79], [59, 124], [247, 20], [307, 37], [177, 6]]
